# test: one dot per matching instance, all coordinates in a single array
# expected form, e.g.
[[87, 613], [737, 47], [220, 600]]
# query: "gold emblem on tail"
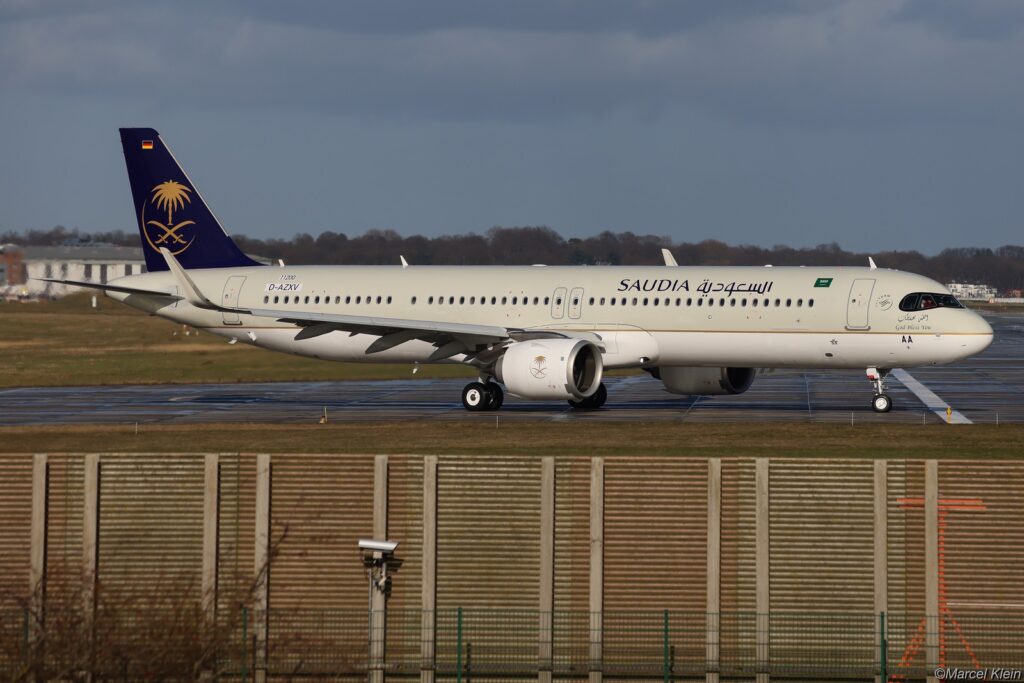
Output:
[[169, 196]]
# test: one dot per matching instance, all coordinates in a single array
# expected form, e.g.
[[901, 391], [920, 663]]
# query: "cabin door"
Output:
[[857, 306], [232, 288]]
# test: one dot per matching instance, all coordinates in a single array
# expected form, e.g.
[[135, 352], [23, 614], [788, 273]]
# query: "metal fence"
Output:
[[461, 644]]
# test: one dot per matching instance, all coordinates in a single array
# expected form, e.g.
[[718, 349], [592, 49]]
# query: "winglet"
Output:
[[192, 293], [670, 260], [871, 263]]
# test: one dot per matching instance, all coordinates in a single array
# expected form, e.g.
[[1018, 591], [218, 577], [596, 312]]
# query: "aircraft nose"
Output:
[[979, 334]]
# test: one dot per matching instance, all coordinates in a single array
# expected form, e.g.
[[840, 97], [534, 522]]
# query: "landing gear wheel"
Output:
[[475, 396], [881, 403], [495, 396], [593, 402]]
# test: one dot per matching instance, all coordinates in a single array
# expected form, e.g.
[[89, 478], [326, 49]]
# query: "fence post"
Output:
[[245, 639], [883, 652], [25, 636], [458, 646], [664, 647]]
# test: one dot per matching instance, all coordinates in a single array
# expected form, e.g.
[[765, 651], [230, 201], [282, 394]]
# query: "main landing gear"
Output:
[[881, 403], [478, 396], [592, 402]]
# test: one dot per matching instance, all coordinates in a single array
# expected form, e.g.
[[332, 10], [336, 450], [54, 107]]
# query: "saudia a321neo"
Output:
[[542, 332]]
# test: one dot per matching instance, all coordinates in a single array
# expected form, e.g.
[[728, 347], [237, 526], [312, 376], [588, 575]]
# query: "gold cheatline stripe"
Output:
[[569, 331]]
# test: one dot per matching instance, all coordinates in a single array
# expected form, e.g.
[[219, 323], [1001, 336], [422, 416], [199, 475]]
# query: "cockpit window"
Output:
[[921, 301]]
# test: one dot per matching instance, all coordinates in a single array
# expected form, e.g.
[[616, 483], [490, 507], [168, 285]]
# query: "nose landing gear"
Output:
[[478, 396], [881, 403]]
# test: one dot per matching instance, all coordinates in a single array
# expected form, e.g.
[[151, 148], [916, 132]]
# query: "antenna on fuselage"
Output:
[[871, 263], [405, 264], [670, 260]]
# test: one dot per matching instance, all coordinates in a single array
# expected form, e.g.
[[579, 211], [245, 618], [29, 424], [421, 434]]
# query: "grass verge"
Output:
[[530, 438]]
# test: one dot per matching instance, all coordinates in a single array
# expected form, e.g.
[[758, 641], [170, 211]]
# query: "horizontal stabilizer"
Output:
[[111, 288]]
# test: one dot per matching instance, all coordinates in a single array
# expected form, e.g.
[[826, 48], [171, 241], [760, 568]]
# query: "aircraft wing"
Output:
[[361, 324], [111, 288]]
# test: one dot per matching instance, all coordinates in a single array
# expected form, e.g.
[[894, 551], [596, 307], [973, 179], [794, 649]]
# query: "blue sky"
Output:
[[896, 124]]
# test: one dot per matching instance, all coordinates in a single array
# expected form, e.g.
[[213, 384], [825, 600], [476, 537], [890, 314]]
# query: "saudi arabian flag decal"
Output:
[[823, 282]]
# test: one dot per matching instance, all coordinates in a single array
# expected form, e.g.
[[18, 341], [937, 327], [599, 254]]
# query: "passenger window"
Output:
[[810, 303], [721, 302], [591, 302], [645, 301], [266, 299], [602, 301], [348, 299], [536, 300], [494, 300], [732, 302], [316, 300], [504, 300], [462, 300], [414, 301], [655, 301], [612, 301], [799, 302], [634, 301], [389, 299], [359, 299], [711, 302], [286, 299], [515, 300], [451, 300], [547, 300], [337, 300], [789, 302], [744, 303], [689, 302], [275, 299], [700, 302]]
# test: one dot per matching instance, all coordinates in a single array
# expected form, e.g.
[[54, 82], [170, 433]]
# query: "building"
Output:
[[11, 271], [22, 268], [976, 292]]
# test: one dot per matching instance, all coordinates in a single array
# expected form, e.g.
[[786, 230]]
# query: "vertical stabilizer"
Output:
[[169, 210]]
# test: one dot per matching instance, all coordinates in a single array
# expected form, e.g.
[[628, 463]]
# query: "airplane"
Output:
[[541, 332]]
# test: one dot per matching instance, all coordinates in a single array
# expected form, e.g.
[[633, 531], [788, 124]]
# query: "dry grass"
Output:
[[68, 343], [529, 438]]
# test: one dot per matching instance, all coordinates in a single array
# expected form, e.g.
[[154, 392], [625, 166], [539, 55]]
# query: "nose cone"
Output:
[[978, 334]]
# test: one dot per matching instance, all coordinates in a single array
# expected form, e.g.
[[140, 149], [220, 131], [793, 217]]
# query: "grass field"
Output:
[[530, 438], [68, 343]]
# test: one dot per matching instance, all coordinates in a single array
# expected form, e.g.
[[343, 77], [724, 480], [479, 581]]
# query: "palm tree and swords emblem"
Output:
[[169, 196]]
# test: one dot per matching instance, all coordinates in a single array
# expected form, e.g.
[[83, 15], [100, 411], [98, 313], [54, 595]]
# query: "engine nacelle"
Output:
[[551, 369], [707, 381]]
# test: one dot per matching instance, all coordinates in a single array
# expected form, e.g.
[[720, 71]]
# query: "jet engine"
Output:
[[551, 369], [707, 381]]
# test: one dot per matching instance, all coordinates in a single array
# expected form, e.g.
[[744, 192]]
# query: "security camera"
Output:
[[373, 546]]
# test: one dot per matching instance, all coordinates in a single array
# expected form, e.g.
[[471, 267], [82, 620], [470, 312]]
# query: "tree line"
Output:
[[1002, 268]]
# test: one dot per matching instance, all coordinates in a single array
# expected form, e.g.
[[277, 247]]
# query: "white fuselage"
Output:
[[760, 317]]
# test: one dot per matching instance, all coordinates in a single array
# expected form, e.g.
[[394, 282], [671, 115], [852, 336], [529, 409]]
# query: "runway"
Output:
[[988, 388]]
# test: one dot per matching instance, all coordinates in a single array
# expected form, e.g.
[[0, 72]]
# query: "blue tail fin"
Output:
[[170, 211]]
